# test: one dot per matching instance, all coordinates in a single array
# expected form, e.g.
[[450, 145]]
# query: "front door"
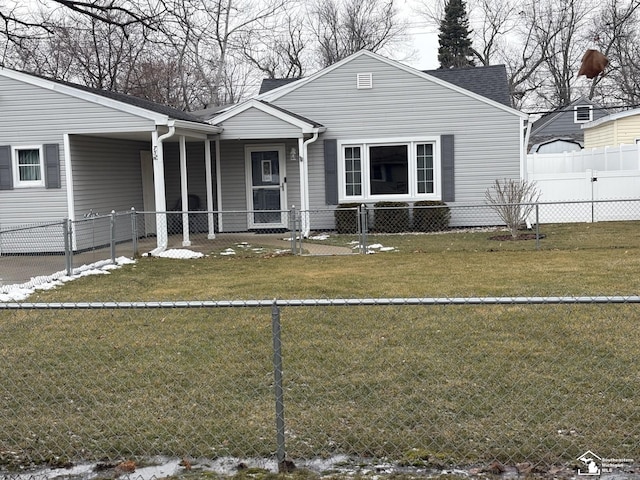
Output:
[[266, 186]]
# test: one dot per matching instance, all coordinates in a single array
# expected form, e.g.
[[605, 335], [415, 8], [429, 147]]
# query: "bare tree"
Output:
[[343, 28], [280, 55], [616, 33]]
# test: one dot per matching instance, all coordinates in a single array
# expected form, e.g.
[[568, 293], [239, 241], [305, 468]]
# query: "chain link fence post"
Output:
[[363, 228], [279, 395], [537, 226], [134, 232], [112, 235], [293, 228], [68, 245]]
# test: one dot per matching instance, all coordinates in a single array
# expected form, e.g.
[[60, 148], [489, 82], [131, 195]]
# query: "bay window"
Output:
[[387, 170]]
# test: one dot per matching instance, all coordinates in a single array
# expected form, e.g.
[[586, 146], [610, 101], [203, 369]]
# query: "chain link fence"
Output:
[[527, 385], [61, 247]]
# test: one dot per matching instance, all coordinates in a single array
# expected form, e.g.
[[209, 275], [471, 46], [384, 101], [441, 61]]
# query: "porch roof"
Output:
[[306, 125]]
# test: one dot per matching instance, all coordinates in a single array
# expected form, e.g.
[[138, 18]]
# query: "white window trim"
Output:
[[413, 194], [17, 183], [575, 113]]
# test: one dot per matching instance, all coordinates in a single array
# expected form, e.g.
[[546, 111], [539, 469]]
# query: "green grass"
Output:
[[458, 384]]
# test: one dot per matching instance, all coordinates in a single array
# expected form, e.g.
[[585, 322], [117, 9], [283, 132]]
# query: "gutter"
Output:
[[159, 189], [304, 181], [525, 149]]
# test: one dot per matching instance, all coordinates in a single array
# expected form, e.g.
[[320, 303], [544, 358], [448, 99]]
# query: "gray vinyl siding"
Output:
[[234, 188], [564, 125], [106, 174], [107, 177], [32, 115], [244, 125], [400, 105], [196, 174]]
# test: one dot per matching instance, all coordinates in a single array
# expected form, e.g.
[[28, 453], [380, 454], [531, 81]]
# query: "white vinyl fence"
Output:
[[609, 173]]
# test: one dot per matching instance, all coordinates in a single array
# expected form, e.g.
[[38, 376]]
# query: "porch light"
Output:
[[293, 154]]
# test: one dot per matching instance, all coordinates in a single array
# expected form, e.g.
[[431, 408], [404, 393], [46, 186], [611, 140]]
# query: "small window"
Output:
[[28, 171], [583, 113], [353, 171], [364, 80]]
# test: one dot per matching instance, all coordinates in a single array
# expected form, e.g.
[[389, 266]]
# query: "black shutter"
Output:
[[447, 162], [52, 165], [6, 174], [331, 171]]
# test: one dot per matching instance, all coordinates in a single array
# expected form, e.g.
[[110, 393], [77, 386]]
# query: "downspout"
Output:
[[162, 239], [304, 184], [525, 151]]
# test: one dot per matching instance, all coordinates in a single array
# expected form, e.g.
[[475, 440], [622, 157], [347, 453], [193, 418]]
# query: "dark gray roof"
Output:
[[271, 83], [489, 81], [551, 116], [128, 99]]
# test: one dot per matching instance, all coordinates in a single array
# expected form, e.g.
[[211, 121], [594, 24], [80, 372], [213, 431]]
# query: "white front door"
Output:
[[266, 186]]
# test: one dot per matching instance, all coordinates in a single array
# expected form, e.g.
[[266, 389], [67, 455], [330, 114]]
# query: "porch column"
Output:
[[158, 187], [218, 185], [304, 187], [184, 191], [209, 182]]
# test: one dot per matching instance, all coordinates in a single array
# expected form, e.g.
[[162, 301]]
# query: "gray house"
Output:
[[363, 130], [369, 129], [68, 151], [561, 130]]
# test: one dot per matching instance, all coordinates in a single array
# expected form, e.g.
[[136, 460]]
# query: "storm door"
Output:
[[266, 186]]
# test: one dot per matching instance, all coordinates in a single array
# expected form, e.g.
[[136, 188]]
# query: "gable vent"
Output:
[[364, 80]]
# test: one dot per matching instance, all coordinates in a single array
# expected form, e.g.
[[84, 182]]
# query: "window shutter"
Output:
[[447, 162], [52, 165], [331, 171], [6, 174]]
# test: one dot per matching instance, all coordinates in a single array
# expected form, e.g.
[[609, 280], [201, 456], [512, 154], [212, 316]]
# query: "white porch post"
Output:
[[158, 185], [304, 188], [218, 184], [184, 192], [209, 182]]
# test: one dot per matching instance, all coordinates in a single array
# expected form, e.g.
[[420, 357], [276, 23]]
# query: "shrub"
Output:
[[391, 217], [513, 201], [346, 216], [430, 216]]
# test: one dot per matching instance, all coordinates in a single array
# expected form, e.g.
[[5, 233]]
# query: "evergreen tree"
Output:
[[455, 45]]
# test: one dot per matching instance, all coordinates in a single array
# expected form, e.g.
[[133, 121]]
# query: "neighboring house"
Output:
[[561, 130], [616, 129], [363, 130]]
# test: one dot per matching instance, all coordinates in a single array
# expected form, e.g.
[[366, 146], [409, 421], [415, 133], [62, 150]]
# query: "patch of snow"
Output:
[[20, 292], [180, 253], [322, 236], [228, 251]]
